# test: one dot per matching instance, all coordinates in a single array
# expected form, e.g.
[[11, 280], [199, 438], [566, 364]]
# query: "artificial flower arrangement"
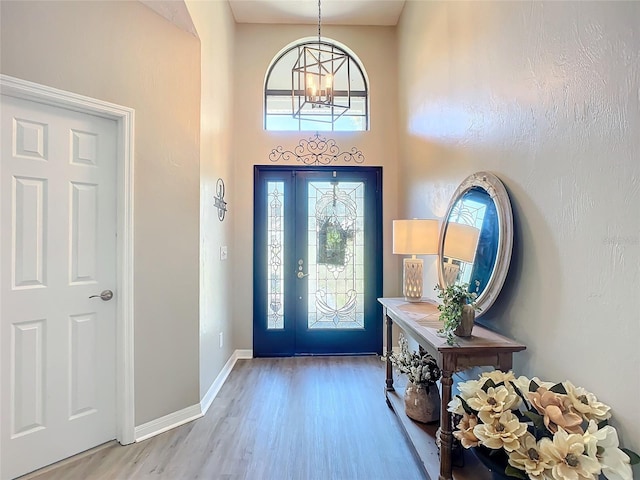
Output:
[[539, 430], [420, 367]]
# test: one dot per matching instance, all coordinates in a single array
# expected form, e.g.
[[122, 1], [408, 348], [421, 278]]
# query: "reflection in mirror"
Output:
[[471, 240], [476, 238], [459, 251]]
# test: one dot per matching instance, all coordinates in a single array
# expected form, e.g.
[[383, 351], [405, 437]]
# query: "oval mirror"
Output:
[[476, 238]]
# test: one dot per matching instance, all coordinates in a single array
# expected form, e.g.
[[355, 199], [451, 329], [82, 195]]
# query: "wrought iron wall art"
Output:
[[316, 150], [218, 200]]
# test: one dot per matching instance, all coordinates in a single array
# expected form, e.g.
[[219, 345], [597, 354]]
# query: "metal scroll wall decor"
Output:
[[218, 200], [316, 150]]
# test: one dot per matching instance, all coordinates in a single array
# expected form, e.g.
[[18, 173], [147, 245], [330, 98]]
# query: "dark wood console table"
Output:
[[484, 348]]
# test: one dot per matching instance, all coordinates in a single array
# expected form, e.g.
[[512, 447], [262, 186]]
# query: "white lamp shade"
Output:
[[415, 237], [461, 242]]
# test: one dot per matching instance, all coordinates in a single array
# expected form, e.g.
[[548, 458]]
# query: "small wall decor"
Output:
[[316, 151], [218, 200]]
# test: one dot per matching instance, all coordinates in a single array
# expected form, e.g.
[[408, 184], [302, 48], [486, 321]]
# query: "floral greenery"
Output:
[[453, 298], [540, 430], [420, 367]]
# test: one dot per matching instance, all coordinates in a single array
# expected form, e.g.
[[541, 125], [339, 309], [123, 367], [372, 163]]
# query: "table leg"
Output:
[[389, 386], [446, 436]]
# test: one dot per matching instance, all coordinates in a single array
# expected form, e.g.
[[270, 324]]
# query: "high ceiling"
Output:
[[334, 12]]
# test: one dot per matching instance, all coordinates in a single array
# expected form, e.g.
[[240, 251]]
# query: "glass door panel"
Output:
[[335, 223]]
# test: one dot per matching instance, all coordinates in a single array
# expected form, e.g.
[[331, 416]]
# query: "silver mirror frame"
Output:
[[494, 187]]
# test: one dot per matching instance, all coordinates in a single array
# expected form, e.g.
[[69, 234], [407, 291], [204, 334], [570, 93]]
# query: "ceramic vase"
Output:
[[422, 403], [466, 321]]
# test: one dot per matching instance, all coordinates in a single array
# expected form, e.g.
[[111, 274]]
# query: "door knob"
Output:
[[302, 275], [105, 295]]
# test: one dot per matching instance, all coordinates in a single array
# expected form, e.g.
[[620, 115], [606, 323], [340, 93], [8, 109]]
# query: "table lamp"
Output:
[[414, 237]]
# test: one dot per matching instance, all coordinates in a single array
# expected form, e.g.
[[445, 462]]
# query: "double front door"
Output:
[[317, 260]]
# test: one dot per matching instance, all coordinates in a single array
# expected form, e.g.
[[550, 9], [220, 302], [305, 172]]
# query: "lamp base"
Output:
[[412, 279], [450, 271]]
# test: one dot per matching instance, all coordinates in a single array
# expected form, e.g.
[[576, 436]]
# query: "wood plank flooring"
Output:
[[303, 418]]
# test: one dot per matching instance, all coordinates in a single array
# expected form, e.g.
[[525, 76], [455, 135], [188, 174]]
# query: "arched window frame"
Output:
[[353, 61]]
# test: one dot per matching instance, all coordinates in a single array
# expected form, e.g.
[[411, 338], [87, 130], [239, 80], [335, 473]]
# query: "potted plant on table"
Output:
[[457, 311], [422, 397], [537, 430]]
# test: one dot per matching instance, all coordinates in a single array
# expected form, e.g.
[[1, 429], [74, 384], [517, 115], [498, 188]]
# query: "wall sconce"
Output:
[[414, 237], [460, 243]]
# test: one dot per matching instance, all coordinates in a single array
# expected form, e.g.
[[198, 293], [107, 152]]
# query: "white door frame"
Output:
[[124, 117]]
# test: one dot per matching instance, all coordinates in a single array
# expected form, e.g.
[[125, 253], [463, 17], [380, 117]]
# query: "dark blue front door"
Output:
[[317, 260]]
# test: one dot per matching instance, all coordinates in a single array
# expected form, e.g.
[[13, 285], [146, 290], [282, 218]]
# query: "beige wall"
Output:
[[545, 95], [215, 25], [256, 45], [123, 52]]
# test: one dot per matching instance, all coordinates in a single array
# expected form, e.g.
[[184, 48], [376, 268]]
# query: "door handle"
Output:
[[302, 275], [105, 295]]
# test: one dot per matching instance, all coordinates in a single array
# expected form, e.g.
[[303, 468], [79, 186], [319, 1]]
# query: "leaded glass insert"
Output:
[[335, 224], [275, 252]]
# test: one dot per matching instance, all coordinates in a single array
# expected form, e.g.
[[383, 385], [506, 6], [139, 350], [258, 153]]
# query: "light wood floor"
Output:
[[303, 418]]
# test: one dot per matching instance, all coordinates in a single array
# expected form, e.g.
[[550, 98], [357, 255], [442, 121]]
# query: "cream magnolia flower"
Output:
[[455, 406], [493, 402], [470, 388], [499, 377], [504, 432], [467, 389], [586, 403], [465, 431], [603, 445], [523, 383], [556, 410], [567, 451], [529, 458]]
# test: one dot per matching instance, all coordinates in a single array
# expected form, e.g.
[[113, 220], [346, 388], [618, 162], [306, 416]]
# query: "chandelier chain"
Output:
[[319, 18]]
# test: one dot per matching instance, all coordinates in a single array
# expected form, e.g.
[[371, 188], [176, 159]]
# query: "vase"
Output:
[[422, 402], [495, 460], [466, 321]]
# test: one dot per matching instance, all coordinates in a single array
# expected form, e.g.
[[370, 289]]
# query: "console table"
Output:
[[484, 348]]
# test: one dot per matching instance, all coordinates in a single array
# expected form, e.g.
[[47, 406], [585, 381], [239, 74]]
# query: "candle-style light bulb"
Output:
[[311, 89], [329, 88], [328, 81]]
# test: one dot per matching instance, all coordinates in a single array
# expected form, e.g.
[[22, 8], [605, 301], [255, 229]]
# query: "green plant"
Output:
[[453, 298]]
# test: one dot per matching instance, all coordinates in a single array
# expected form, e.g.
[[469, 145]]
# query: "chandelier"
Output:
[[314, 77]]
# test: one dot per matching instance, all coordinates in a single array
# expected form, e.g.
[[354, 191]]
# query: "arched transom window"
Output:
[[285, 93]]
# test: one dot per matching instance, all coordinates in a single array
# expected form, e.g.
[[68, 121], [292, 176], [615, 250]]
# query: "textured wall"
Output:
[[215, 26], [545, 95], [123, 52], [256, 45]]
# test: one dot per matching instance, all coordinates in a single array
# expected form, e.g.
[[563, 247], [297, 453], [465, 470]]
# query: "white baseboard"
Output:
[[207, 400], [162, 424]]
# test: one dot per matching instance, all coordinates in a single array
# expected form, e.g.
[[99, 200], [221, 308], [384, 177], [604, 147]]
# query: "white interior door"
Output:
[[57, 248]]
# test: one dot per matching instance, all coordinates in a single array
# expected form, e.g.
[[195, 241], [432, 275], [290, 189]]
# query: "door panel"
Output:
[[317, 261], [58, 247]]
